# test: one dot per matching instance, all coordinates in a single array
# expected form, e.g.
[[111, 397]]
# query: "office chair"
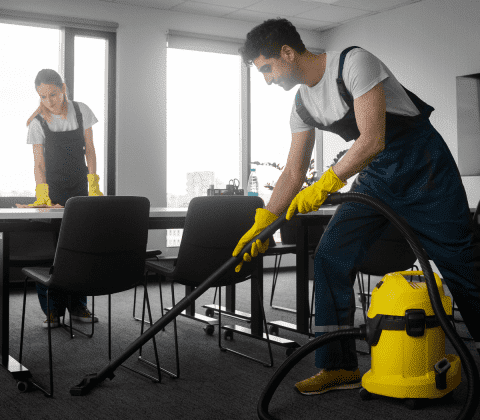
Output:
[[213, 227], [100, 251]]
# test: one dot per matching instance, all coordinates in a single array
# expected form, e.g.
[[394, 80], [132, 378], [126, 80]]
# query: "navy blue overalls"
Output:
[[418, 178], [66, 176]]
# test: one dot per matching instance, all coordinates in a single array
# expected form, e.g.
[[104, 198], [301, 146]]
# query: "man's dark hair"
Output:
[[268, 38]]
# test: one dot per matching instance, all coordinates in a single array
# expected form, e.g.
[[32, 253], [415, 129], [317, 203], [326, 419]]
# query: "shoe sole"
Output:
[[333, 388], [81, 319]]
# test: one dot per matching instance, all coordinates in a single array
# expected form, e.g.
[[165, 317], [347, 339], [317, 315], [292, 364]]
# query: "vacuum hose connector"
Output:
[[473, 391]]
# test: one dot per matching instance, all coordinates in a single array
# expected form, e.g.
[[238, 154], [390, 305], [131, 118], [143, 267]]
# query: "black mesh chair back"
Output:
[[390, 253], [102, 244], [213, 227]]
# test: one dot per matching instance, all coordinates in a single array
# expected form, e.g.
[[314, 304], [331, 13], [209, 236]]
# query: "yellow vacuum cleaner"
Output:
[[406, 327], [408, 349]]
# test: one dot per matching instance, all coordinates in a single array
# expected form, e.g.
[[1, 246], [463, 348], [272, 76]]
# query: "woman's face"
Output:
[[52, 97]]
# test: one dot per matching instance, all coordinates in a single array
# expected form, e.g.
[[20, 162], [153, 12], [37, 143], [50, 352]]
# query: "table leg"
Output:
[[302, 279], [190, 311], [230, 299], [257, 315], [4, 296], [19, 372]]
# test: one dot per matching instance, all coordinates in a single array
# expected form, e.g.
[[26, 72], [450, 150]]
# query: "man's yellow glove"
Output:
[[93, 188], [263, 218], [41, 193], [312, 197]]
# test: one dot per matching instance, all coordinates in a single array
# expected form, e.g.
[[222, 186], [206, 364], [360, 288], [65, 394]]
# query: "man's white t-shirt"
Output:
[[36, 134], [361, 72]]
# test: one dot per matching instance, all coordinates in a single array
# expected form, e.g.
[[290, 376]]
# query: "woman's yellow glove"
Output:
[[41, 193], [263, 218], [93, 188], [312, 197]]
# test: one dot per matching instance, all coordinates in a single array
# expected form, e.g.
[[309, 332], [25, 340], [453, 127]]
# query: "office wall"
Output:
[[141, 85], [426, 45]]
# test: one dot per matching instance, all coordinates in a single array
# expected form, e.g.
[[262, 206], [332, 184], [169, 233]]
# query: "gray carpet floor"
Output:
[[213, 384]]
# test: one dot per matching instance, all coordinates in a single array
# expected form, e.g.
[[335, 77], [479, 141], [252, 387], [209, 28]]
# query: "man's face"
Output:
[[278, 71]]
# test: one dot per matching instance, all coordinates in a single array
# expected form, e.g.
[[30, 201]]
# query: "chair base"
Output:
[[243, 316]]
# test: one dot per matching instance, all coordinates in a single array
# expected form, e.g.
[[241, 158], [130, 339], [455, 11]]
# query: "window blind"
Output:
[[209, 43], [39, 19]]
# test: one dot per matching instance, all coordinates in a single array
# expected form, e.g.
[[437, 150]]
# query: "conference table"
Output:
[[21, 219]]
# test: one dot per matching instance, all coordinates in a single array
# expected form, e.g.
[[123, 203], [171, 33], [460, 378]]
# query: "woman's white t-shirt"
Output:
[[36, 134]]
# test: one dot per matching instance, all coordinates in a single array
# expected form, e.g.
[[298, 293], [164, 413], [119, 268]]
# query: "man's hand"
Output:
[[311, 198], [263, 218]]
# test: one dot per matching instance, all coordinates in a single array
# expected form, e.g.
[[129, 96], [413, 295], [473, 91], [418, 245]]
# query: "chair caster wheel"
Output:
[[273, 330], [209, 312], [365, 395], [23, 386], [414, 403], [290, 351], [209, 329], [228, 335]]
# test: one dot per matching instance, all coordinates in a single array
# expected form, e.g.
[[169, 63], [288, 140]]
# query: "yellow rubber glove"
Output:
[[93, 188], [263, 218], [312, 197], [41, 193]]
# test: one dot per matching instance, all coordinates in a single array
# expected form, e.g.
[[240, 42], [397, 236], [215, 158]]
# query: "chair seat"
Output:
[[40, 274], [164, 267]]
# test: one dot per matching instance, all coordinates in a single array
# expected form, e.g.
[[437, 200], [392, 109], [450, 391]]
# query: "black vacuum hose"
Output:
[[473, 391]]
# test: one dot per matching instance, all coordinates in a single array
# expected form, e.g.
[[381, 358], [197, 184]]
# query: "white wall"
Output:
[[426, 45]]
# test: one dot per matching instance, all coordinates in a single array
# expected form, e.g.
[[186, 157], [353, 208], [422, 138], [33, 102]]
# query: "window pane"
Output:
[[90, 88], [270, 130], [203, 125], [21, 62]]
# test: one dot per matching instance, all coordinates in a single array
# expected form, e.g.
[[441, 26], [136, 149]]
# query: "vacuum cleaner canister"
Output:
[[408, 351]]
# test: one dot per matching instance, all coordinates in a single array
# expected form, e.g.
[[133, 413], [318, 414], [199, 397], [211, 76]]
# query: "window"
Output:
[[20, 100], [270, 131], [90, 88], [203, 125], [85, 59]]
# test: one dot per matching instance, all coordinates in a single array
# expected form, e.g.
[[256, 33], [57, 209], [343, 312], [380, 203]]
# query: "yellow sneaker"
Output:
[[329, 380]]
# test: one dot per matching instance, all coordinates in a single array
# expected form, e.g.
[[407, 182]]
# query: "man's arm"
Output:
[[293, 175], [90, 152], [370, 114]]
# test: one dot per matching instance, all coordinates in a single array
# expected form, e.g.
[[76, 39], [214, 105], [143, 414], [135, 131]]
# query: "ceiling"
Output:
[[313, 15]]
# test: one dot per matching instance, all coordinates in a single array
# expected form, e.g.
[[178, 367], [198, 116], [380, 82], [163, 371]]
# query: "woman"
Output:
[[61, 134]]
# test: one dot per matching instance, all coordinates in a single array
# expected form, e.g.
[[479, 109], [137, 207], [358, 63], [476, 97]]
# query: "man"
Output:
[[401, 160]]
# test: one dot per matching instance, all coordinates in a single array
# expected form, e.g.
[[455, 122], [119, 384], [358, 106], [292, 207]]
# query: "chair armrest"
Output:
[[152, 253], [159, 257]]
